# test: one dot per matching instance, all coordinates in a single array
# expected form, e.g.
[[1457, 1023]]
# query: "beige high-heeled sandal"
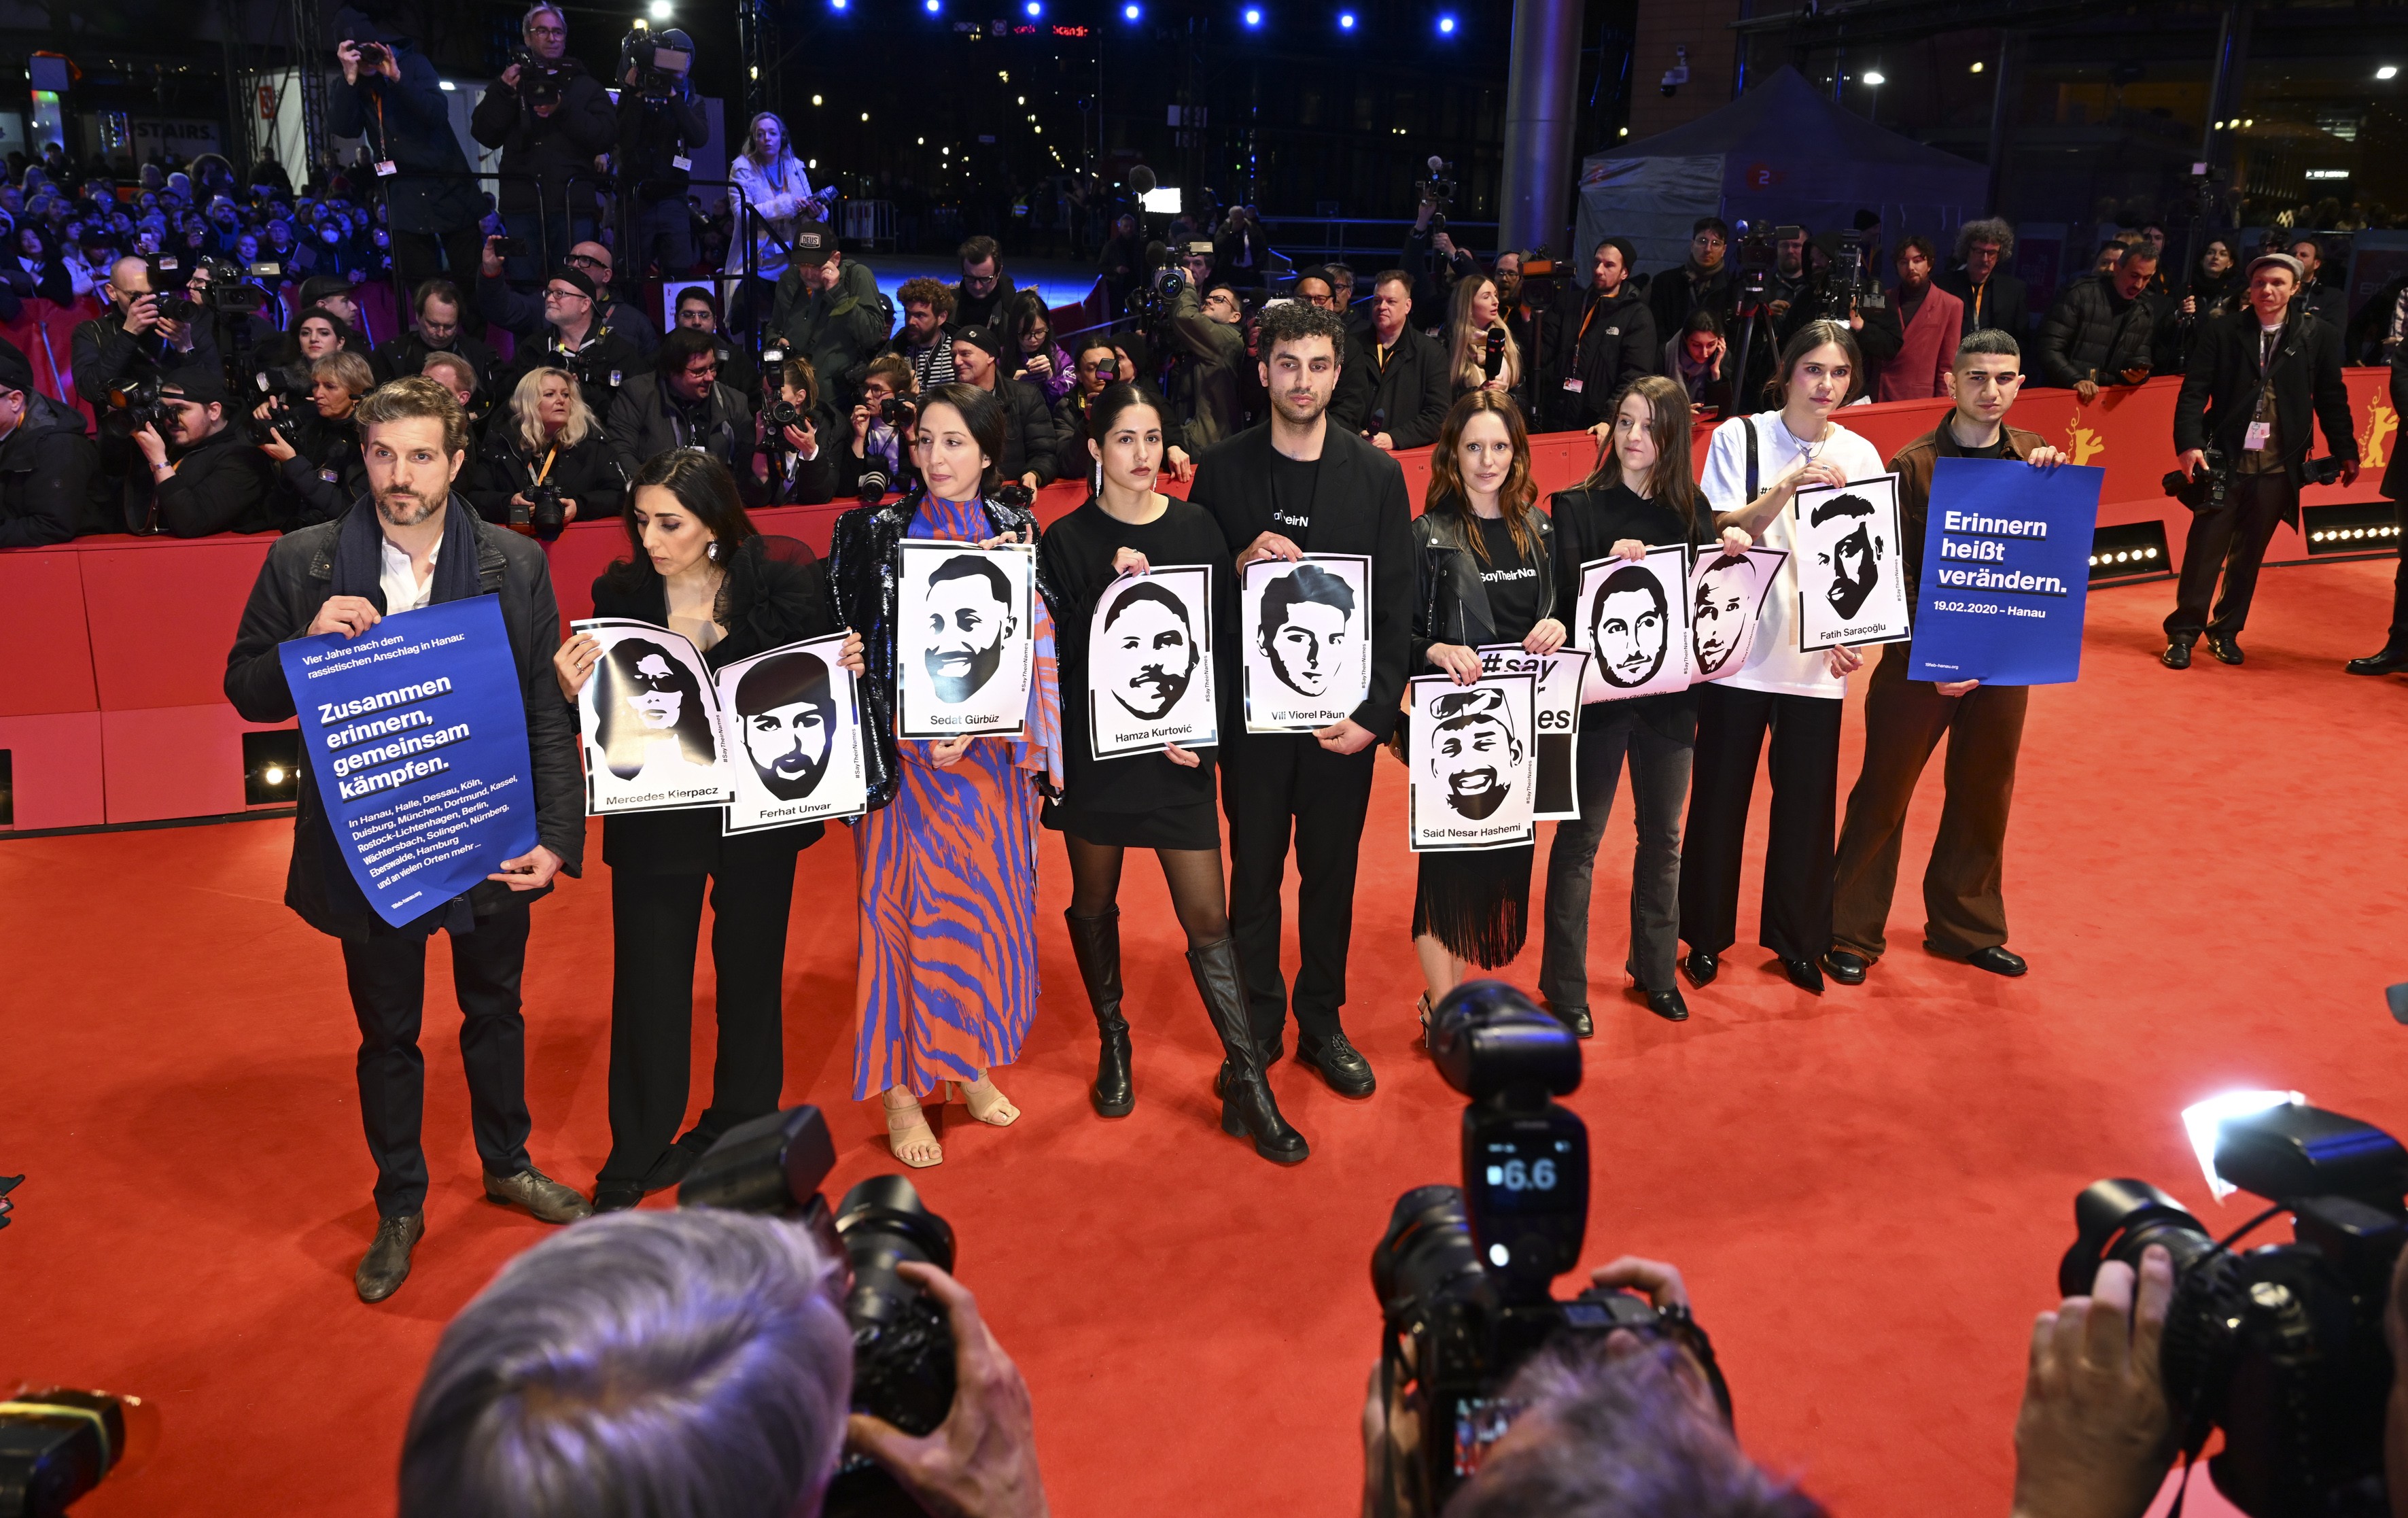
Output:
[[900, 1137], [990, 1106]]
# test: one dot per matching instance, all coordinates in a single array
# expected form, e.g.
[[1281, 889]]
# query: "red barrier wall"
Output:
[[115, 647]]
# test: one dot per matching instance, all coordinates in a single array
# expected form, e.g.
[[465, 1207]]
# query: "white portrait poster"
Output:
[[793, 721], [1555, 717], [965, 639], [1726, 595], [1475, 769], [1851, 565], [1634, 624], [650, 719], [1150, 663], [1308, 647]]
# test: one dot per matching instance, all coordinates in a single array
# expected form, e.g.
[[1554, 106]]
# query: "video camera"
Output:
[[1758, 259], [2205, 490], [541, 80], [226, 286], [662, 63], [902, 1341], [1150, 304], [1465, 1274], [1438, 192], [1850, 282], [2280, 1347]]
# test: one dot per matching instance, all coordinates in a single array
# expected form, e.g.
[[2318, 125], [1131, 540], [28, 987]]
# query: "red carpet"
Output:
[[1869, 1192]]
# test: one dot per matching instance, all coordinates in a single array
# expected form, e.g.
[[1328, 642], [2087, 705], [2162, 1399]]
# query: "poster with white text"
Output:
[[1555, 717]]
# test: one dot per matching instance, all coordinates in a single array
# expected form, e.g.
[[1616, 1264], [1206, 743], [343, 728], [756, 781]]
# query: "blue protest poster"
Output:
[[2006, 572], [416, 733]]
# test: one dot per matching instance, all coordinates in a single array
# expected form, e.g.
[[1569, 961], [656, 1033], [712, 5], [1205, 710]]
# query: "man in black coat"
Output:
[[1299, 486], [435, 329], [390, 97], [682, 404], [1701, 284], [131, 340], [2101, 330], [550, 119], [201, 474], [562, 330], [1991, 297], [1394, 388], [412, 543], [2260, 381], [47, 464], [661, 123], [2394, 655], [1605, 338]]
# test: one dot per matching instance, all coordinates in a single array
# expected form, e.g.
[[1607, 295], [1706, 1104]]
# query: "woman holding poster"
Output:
[[1754, 466], [1641, 495], [698, 567], [1486, 576], [947, 982], [1159, 651]]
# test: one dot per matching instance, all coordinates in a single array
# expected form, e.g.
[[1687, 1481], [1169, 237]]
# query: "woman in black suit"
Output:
[[700, 569]]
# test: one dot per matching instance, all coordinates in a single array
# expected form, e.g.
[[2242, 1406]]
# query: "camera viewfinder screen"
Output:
[[1478, 1422]]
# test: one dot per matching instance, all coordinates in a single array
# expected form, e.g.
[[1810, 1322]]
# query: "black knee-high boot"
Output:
[[1096, 942], [1247, 1106]]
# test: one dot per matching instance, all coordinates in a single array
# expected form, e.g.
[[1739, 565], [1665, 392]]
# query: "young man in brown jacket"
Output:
[[1965, 917]]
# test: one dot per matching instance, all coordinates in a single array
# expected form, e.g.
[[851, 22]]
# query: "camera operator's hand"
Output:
[[1663, 1287], [1422, 214], [575, 660], [275, 448], [153, 446], [1777, 310], [1269, 546], [348, 53], [350, 615], [1443, 245], [142, 315], [510, 76], [2190, 461], [2092, 1438], [1391, 1444], [491, 267], [2087, 391], [568, 510], [981, 1460], [530, 871], [2190, 306], [1459, 662]]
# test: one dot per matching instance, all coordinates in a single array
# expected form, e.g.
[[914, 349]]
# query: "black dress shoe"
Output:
[[1804, 974], [2177, 654], [674, 1164], [1667, 1005], [616, 1195], [2227, 649], [1576, 1018], [1997, 961], [1340, 1063], [2393, 659], [387, 1264], [539, 1193], [1703, 965], [1847, 967]]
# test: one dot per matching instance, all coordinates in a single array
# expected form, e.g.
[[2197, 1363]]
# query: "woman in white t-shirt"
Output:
[[1798, 697]]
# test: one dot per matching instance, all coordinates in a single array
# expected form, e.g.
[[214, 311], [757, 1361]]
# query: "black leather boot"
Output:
[[1247, 1106], [1096, 942]]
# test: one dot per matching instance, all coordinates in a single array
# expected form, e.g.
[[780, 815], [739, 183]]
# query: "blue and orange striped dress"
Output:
[[947, 983]]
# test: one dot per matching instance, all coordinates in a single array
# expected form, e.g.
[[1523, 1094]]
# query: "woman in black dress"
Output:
[[1486, 577], [1164, 800], [699, 568], [1641, 495]]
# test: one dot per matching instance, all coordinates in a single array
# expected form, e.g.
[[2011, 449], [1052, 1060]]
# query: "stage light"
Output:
[[2128, 551], [1253, 17], [662, 11], [447, 86], [2388, 71], [1876, 79], [271, 768], [1346, 21], [815, 100], [2204, 1123], [1977, 66], [865, 115], [838, 5], [1034, 9], [935, 5], [1130, 13], [1446, 24], [2371, 527]]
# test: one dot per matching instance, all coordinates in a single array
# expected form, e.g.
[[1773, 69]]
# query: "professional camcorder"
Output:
[[1848, 284], [1465, 1275], [1758, 259], [902, 1340], [2281, 1347], [662, 62], [2205, 490], [226, 286], [1150, 304], [541, 80]]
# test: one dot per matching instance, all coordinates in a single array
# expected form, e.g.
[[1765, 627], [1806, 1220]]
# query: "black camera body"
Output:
[[902, 1340], [139, 402], [778, 413], [1438, 192], [373, 55], [2280, 1346], [542, 80], [545, 513], [2323, 471], [661, 66], [2205, 490], [899, 411], [1758, 259], [1464, 1275]]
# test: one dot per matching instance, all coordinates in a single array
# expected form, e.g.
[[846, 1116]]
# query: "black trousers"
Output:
[[1275, 787], [1798, 870], [2400, 596], [2231, 541], [654, 924], [1660, 778], [387, 975], [420, 256]]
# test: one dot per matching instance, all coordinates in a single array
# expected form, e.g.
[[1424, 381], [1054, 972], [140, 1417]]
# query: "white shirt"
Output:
[[1776, 664], [403, 590]]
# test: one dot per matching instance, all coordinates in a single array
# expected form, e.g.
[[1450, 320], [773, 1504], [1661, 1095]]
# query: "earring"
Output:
[[712, 550]]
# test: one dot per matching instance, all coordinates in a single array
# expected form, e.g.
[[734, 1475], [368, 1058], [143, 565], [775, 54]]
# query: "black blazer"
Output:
[[1359, 505], [2219, 389], [2005, 304], [2395, 474], [1413, 393]]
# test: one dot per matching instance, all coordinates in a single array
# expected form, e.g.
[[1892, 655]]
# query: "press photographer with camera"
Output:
[[798, 433], [392, 99], [1394, 388], [545, 462], [1197, 332], [1429, 253], [682, 405], [828, 308], [231, 296], [434, 329], [2260, 382], [567, 334], [877, 457], [49, 471], [1604, 338], [199, 473], [660, 124], [318, 453], [551, 119], [138, 339]]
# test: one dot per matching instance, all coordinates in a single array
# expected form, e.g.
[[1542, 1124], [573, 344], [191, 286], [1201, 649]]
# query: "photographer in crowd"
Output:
[[393, 99], [726, 1396], [49, 467], [334, 292], [1393, 388], [799, 437], [551, 119], [985, 291], [131, 341], [1032, 446], [561, 331], [2101, 330], [697, 309], [318, 455], [1701, 284], [1431, 257], [1605, 338], [1206, 347], [2260, 383], [828, 308], [548, 439], [877, 458], [1992, 298], [682, 405], [199, 474], [660, 124], [434, 329]]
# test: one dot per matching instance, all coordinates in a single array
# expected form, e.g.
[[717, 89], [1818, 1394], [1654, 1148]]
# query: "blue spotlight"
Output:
[[838, 5], [1446, 24], [1130, 13], [1254, 16], [1346, 21], [935, 5], [1034, 9]]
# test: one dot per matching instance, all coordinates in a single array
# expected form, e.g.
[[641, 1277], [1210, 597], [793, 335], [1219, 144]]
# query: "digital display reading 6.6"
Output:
[[1532, 1173]]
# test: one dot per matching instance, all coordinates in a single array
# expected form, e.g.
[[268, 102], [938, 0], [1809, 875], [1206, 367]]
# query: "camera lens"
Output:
[[902, 1344]]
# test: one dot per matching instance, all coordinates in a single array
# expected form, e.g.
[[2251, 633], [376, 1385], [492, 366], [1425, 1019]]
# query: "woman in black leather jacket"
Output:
[[700, 569]]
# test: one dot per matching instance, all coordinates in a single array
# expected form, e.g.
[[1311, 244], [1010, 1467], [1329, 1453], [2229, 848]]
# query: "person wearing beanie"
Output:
[[199, 473], [1032, 439], [827, 309], [47, 465]]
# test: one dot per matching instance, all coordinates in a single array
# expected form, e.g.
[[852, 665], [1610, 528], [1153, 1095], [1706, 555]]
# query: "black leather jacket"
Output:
[[1451, 601]]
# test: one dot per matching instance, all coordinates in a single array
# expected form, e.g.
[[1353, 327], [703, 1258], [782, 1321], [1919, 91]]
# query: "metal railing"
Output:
[[1322, 239]]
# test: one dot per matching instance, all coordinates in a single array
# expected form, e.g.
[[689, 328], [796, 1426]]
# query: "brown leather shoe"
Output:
[[547, 1198], [387, 1264]]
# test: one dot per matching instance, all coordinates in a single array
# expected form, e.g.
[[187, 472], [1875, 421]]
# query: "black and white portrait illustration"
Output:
[[1474, 765], [650, 724], [1851, 576], [791, 715], [1634, 624], [963, 638], [1726, 594], [1307, 655], [1150, 663]]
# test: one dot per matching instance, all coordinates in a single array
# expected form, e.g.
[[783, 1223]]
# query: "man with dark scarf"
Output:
[[410, 543]]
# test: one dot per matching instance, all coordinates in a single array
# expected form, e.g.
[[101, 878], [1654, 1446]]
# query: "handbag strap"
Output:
[[1749, 423]]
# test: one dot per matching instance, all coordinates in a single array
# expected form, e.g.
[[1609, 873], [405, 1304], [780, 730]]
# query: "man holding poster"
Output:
[[416, 545], [1904, 718]]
